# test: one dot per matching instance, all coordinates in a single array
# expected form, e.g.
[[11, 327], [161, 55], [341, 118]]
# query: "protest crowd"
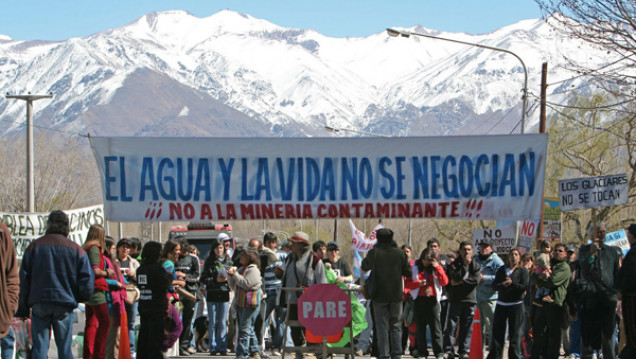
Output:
[[560, 301]]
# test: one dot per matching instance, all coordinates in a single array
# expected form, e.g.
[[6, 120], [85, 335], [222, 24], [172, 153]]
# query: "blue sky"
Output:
[[63, 19]]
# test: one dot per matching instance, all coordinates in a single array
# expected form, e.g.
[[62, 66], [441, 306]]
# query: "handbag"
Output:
[[248, 298], [132, 293]]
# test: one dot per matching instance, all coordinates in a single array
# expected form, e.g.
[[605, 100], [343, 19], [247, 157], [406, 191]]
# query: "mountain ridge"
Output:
[[232, 70]]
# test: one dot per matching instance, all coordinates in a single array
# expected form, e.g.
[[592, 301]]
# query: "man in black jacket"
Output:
[[464, 274], [388, 265], [599, 265]]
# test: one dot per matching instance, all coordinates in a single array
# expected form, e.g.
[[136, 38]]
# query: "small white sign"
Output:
[[618, 239], [501, 239], [527, 235], [592, 192]]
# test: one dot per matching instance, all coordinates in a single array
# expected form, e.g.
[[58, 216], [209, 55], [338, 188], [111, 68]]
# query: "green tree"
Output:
[[588, 139]]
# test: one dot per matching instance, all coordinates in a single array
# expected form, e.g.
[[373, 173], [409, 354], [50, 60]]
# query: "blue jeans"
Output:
[[575, 336], [364, 340], [247, 342], [279, 324], [131, 313], [45, 316], [6, 345], [196, 309], [217, 328]]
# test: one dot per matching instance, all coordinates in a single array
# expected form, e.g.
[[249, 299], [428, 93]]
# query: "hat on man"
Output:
[[632, 229], [332, 246], [486, 243], [570, 249], [124, 242], [300, 237], [222, 237], [384, 235]]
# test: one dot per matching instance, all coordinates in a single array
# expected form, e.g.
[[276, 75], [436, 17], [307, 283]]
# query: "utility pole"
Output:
[[542, 120], [30, 185], [544, 90]]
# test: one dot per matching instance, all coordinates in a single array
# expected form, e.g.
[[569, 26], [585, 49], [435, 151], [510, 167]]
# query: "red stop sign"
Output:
[[324, 309]]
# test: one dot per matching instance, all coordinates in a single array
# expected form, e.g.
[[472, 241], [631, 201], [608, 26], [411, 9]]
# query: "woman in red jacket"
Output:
[[97, 318], [426, 288]]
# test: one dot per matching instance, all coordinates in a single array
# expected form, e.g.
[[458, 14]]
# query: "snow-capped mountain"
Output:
[[174, 74]]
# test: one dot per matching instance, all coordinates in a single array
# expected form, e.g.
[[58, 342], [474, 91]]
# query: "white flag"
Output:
[[359, 240]]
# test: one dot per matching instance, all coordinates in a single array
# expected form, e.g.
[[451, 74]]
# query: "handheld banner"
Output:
[[502, 240], [179, 179], [593, 192], [360, 242], [27, 227], [618, 239]]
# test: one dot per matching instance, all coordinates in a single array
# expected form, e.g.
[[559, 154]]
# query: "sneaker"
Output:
[[191, 350], [275, 352], [183, 353], [255, 356], [359, 353]]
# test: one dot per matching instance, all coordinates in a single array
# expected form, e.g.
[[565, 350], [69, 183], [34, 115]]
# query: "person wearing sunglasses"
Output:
[[549, 317]]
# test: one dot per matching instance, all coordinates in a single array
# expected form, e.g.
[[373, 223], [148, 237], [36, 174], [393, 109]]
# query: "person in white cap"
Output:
[[301, 269], [227, 243]]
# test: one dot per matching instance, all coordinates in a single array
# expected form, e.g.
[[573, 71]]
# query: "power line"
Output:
[[501, 119], [594, 127], [46, 128], [591, 71], [588, 108]]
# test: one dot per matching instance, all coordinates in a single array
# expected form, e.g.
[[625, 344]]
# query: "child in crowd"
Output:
[[543, 265]]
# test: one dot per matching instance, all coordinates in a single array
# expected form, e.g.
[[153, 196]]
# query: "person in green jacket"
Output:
[[548, 317]]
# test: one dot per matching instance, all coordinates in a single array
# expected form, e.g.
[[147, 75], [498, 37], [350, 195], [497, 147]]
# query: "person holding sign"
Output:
[[599, 265], [301, 269]]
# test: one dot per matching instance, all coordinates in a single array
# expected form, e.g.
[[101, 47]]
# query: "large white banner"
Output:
[[592, 192], [27, 227], [178, 179]]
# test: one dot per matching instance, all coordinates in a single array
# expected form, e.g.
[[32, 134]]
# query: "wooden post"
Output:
[[542, 120]]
